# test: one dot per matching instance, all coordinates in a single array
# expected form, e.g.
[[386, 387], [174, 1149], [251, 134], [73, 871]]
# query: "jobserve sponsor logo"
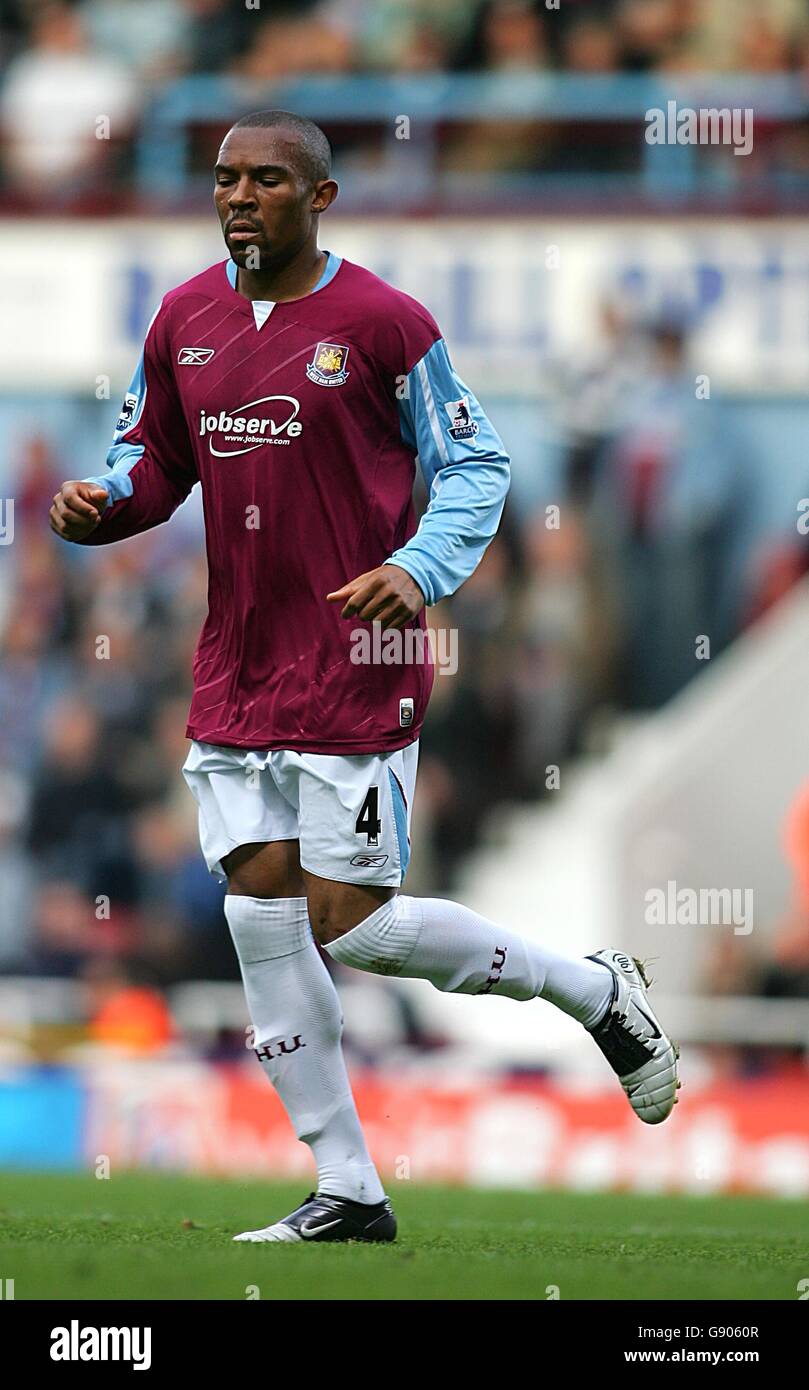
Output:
[[268, 420]]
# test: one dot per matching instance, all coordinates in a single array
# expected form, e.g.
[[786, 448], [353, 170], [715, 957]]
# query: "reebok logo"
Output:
[[194, 357], [369, 861]]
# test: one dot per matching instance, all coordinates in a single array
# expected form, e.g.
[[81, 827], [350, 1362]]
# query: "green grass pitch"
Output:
[[148, 1235]]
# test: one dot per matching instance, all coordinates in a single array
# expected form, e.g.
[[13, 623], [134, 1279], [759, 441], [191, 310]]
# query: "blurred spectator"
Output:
[[77, 825], [37, 472], [563, 641], [796, 850], [13, 31], [745, 35], [786, 974], [508, 35], [777, 567], [220, 32], [70, 928], [733, 968], [591, 391], [412, 37], [513, 35], [31, 676], [16, 874], [153, 37], [649, 31], [62, 107], [591, 45], [672, 487], [286, 47], [186, 935], [468, 740], [127, 1018]]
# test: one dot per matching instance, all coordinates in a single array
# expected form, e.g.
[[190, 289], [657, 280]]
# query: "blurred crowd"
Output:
[[570, 619], [580, 610], [158, 39], [65, 65]]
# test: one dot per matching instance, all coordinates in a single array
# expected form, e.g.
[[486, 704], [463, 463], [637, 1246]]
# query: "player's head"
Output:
[[273, 175]]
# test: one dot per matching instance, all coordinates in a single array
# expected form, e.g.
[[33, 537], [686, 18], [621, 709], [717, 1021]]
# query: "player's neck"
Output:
[[291, 281]]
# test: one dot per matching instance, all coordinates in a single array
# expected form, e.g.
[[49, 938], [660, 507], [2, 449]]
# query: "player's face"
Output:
[[262, 199]]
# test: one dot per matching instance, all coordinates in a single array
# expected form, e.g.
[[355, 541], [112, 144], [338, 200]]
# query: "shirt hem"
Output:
[[345, 747]]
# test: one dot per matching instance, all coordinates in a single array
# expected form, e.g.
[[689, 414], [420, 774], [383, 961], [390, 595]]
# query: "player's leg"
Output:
[[455, 948], [298, 1024], [355, 847], [461, 952], [292, 1002]]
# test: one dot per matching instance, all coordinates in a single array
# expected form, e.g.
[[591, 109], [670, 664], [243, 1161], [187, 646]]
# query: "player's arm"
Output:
[[467, 472], [150, 465]]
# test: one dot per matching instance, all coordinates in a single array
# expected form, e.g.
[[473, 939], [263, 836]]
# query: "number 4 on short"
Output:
[[368, 822]]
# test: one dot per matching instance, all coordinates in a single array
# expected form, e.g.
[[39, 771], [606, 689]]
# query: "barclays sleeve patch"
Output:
[[127, 415], [461, 425]]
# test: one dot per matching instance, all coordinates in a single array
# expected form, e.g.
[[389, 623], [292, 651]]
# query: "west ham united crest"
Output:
[[328, 365]]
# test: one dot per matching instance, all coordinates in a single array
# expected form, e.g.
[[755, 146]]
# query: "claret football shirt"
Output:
[[302, 422]]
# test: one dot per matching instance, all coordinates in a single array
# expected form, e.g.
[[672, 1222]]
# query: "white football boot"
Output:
[[634, 1044]]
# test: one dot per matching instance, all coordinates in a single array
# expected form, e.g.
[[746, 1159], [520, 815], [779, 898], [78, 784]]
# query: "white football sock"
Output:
[[297, 1023], [461, 952]]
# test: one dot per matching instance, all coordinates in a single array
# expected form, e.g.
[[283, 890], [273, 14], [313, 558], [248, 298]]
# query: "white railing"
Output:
[[201, 1009]]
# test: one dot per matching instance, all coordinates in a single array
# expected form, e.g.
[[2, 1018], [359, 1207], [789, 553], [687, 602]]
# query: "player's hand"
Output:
[[77, 509], [387, 595]]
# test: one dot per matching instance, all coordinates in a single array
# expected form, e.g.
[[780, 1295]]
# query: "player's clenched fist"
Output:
[[77, 509], [387, 595]]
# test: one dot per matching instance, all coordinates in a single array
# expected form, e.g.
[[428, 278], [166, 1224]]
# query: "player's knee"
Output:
[[265, 870], [331, 915], [327, 922]]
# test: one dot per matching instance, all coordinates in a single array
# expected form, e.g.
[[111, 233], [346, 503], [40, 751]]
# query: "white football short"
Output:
[[351, 815]]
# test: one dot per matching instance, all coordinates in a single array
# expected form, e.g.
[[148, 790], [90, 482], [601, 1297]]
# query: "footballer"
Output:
[[300, 392]]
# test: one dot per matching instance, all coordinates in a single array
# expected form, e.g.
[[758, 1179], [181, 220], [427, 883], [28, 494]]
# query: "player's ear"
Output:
[[325, 193]]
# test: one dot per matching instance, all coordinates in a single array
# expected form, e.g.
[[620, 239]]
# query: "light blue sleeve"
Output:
[[122, 455], [466, 470]]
